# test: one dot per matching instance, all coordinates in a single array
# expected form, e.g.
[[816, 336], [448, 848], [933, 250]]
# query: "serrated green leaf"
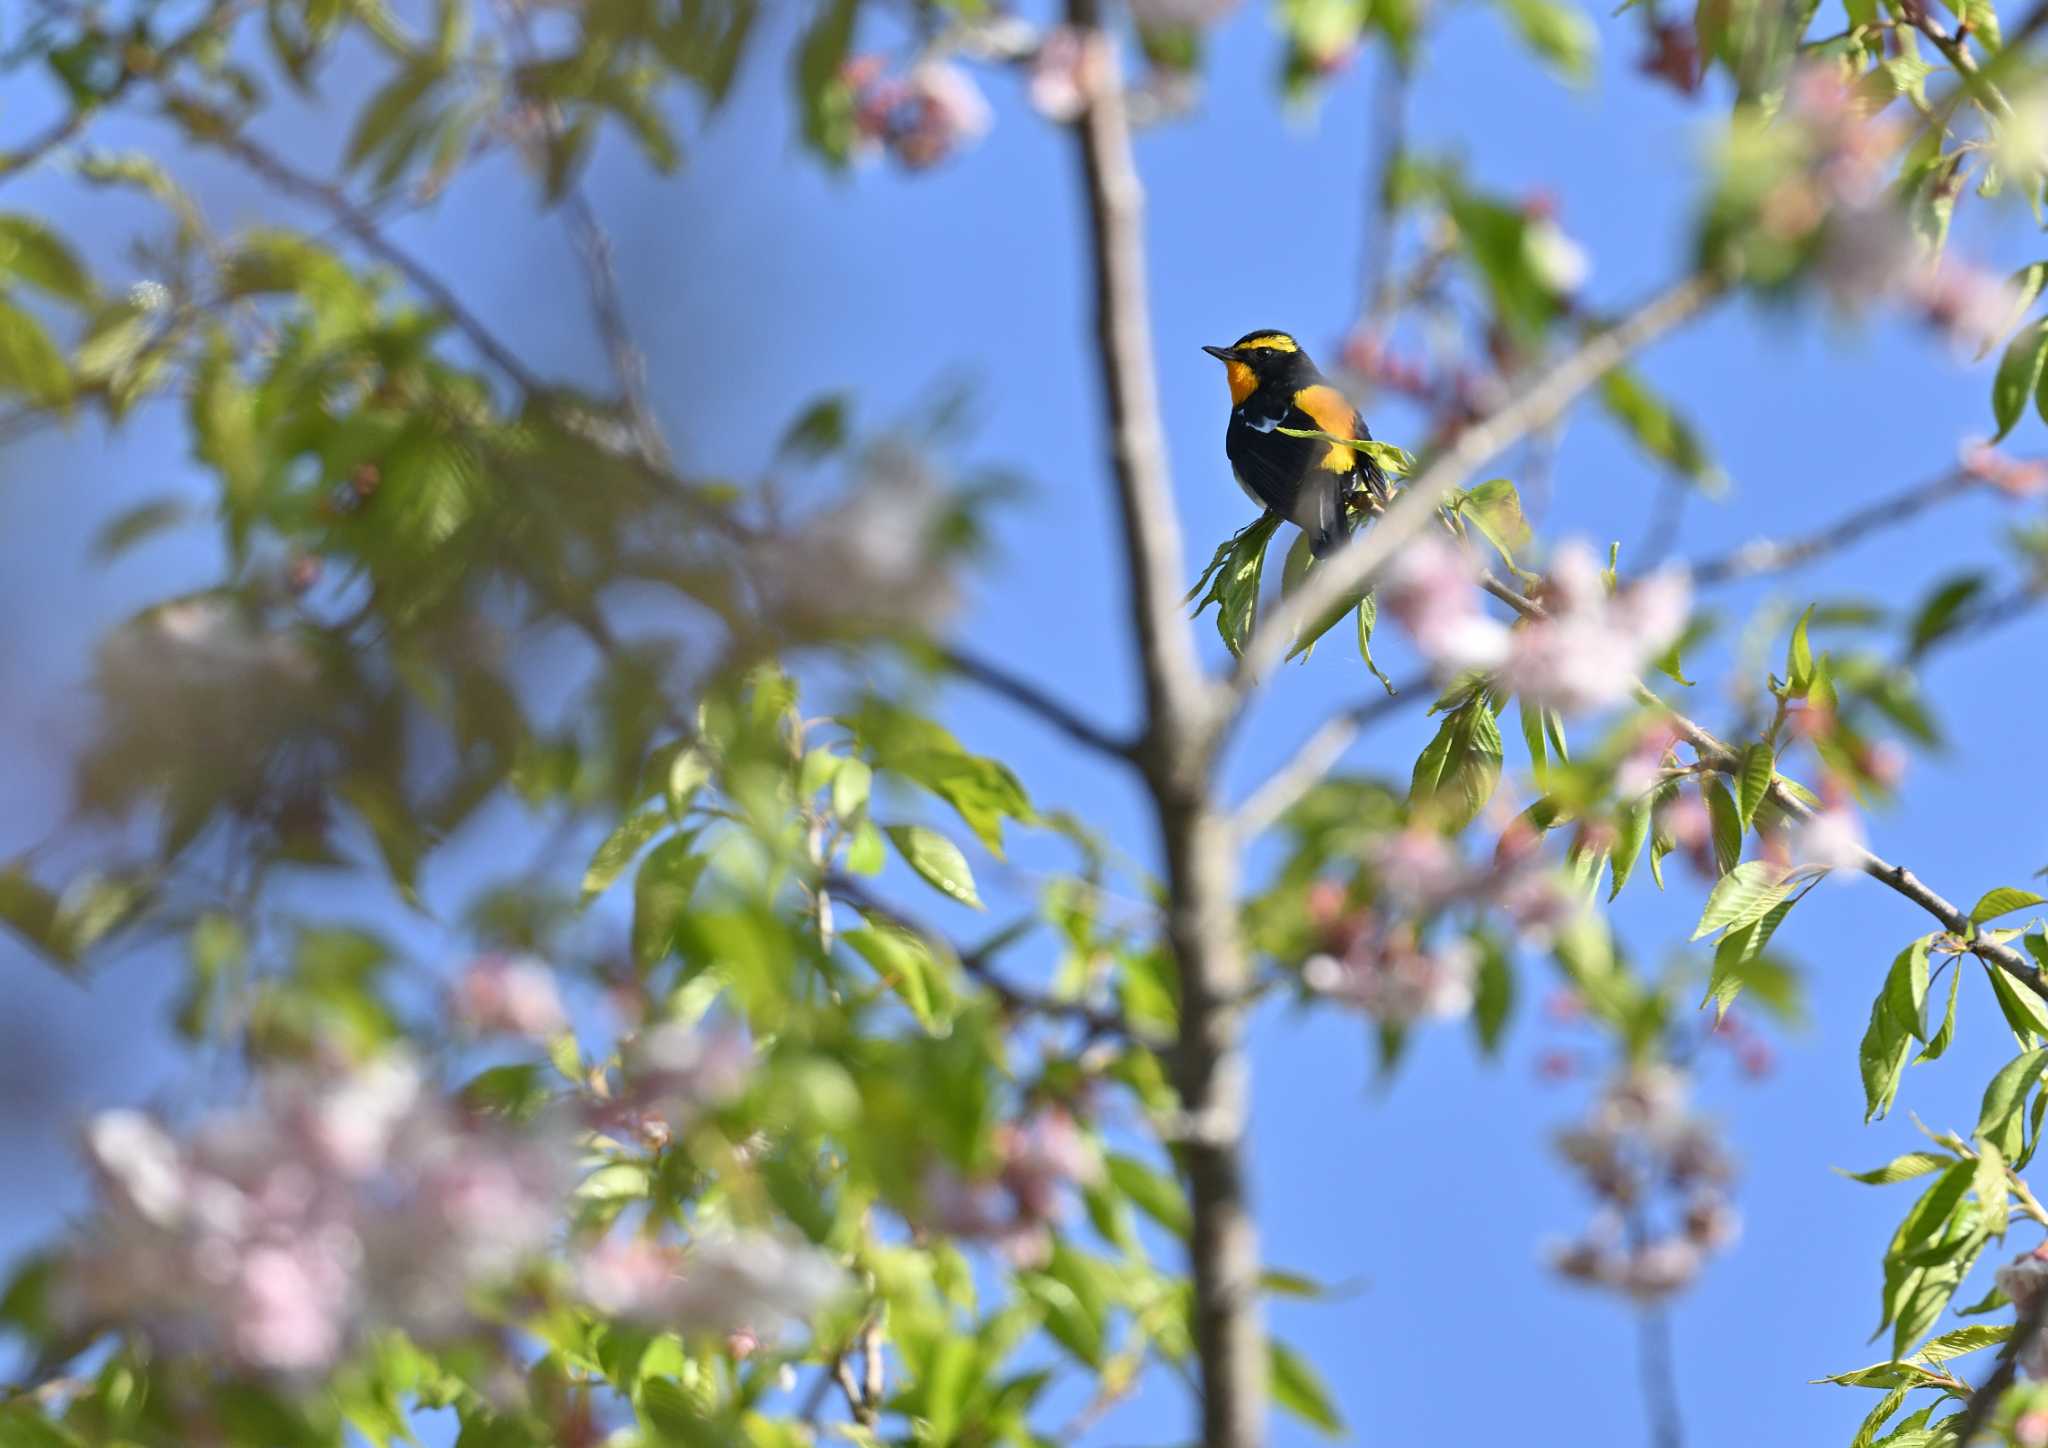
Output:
[[1881, 1058], [1943, 1038], [1905, 989], [1902, 1168], [1993, 1200], [2003, 901], [1748, 892], [1998, 1122], [1753, 780], [1725, 820], [1368, 615]]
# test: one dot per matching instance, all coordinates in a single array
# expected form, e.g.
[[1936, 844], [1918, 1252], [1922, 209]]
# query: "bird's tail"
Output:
[[1333, 521]]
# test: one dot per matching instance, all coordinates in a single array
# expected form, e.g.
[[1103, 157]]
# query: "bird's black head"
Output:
[[1260, 357]]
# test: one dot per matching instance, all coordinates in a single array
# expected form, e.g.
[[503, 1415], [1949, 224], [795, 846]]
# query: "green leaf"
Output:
[[823, 99], [1748, 892], [2019, 372], [1657, 428], [1157, 1196], [2025, 1012], [392, 111], [1881, 1058], [2024, 287], [1962, 1340], [1560, 33], [1999, 1120], [1493, 993], [619, 851], [851, 787], [1902, 1168], [937, 859], [864, 853], [908, 967], [661, 894], [1726, 822], [1938, 1047], [2003, 901], [36, 256], [1495, 509], [1872, 1424], [30, 363], [1989, 1182], [688, 772], [1629, 838], [1905, 989], [31, 912], [1232, 581], [1298, 1389], [1799, 655], [1942, 613], [1368, 615], [1456, 773], [1738, 961], [1753, 780]]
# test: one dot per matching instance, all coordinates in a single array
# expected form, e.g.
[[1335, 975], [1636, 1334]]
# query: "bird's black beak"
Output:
[[1225, 354]]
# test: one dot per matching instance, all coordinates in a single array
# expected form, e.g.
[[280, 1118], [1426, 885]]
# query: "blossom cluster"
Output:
[[271, 1235], [921, 115], [1014, 1208], [741, 1284], [1640, 1149], [1584, 654]]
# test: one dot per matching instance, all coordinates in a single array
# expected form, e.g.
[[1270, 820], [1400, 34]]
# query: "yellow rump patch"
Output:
[[1334, 415]]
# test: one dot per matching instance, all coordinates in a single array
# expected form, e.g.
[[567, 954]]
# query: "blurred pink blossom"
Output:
[[509, 995], [1587, 653], [1831, 839], [1432, 590], [1396, 981], [742, 1283], [273, 1234]]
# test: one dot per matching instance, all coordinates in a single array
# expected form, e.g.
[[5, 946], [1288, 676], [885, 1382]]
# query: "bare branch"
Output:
[[629, 363], [1316, 756], [1354, 568], [1022, 692], [1765, 555]]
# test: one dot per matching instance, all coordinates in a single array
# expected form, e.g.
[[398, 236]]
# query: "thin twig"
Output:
[[1354, 568], [1660, 1383], [1313, 759], [1029, 696], [1015, 999], [1765, 555], [363, 227]]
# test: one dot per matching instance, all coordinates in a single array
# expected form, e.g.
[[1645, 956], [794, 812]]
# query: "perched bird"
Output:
[[1304, 479]]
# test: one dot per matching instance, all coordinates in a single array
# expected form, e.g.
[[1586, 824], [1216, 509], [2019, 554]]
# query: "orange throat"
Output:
[[1243, 382]]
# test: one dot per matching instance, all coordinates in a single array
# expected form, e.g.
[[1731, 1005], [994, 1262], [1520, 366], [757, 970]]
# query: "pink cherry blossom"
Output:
[[1431, 590], [508, 995], [1589, 650]]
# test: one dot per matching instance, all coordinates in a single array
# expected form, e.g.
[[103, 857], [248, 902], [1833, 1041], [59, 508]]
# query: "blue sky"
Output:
[[757, 281]]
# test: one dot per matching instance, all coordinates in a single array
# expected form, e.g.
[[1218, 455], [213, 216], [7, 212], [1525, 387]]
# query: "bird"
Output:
[[1306, 480]]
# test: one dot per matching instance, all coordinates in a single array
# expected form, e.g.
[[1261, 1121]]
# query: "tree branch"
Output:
[[363, 227], [1027, 695], [1176, 753], [1315, 757], [1353, 569], [1764, 555], [1719, 757]]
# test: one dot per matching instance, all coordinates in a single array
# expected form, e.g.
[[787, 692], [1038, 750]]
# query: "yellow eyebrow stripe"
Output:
[[1271, 341]]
